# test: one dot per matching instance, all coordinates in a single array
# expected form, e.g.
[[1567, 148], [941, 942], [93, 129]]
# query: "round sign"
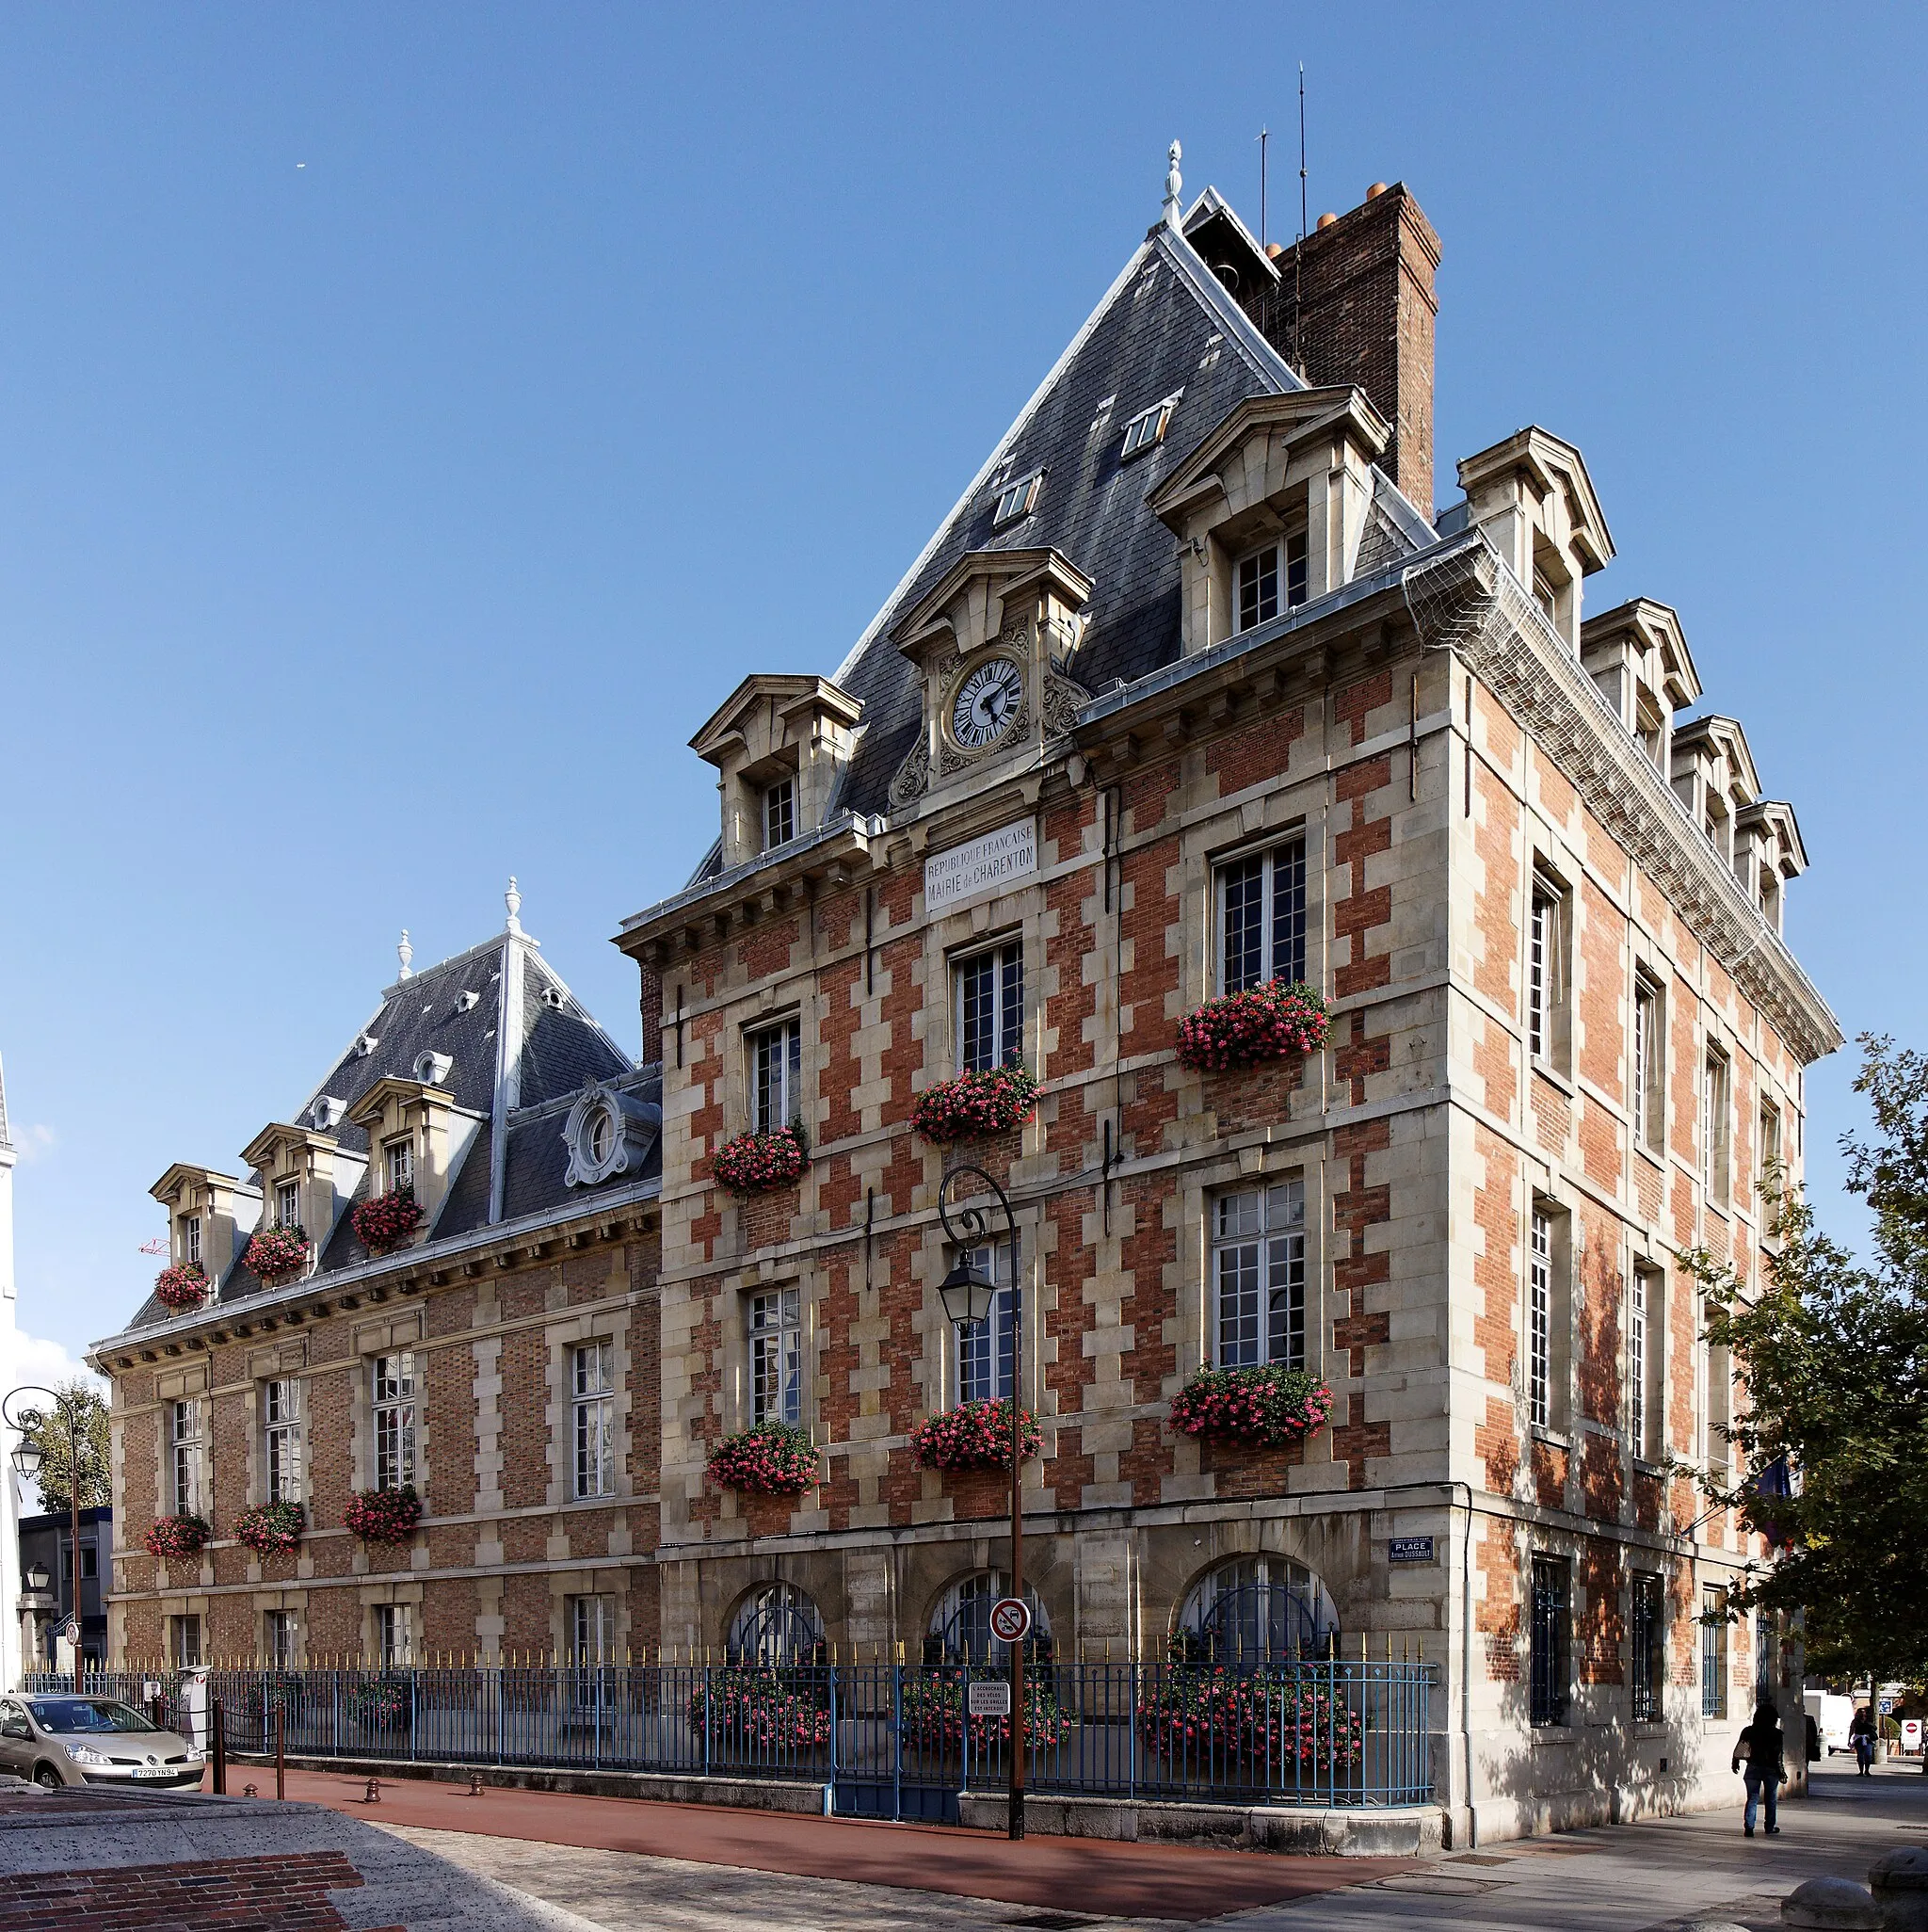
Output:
[[1010, 1620]]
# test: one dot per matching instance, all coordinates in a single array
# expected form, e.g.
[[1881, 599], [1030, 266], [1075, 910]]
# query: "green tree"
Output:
[[1834, 1357], [47, 1429]]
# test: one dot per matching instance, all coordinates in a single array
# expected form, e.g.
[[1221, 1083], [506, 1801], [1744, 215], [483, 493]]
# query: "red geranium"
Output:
[[772, 1459], [974, 1435], [273, 1252], [272, 1530], [974, 1106], [756, 1162], [385, 1221], [382, 1516], [172, 1538], [1269, 1404], [183, 1286], [1263, 1022]]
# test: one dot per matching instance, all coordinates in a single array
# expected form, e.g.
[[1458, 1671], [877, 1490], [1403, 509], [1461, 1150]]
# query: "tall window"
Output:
[[288, 1203], [1720, 1409], [1545, 971], [393, 1388], [1715, 1164], [1262, 917], [991, 1008], [779, 814], [776, 1356], [1259, 1275], [1539, 1319], [592, 1378], [1650, 1080], [1714, 1654], [278, 1638], [400, 1162], [592, 1630], [1263, 575], [1772, 1178], [395, 1636], [1646, 1387], [776, 1074], [281, 1414], [1548, 1641], [984, 1348], [183, 1436], [184, 1641], [1649, 1659], [1636, 1361], [190, 1237]]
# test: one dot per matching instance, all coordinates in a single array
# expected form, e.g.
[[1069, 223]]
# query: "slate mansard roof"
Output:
[[460, 1009]]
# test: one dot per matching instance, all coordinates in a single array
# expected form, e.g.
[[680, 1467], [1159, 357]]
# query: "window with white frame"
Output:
[[593, 1387], [1720, 1409], [1715, 1137], [392, 1386], [776, 1356], [1271, 579], [1546, 990], [1548, 1312], [989, 994], [1772, 1177], [592, 1630], [190, 1238], [278, 1638], [288, 1203], [399, 1159], [184, 1444], [1259, 1275], [985, 1349], [1261, 916], [281, 1418], [1017, 499], [1646, 1387], [779, 812], [1648, 1081], [1147, 426], [184, 1641], [395, 1636], [775, 1075]]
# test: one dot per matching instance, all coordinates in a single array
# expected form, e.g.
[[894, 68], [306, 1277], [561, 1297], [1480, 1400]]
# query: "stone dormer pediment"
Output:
[[1721, 742], [966, 608], [780, 746], [1772, 822], [1650, 635]]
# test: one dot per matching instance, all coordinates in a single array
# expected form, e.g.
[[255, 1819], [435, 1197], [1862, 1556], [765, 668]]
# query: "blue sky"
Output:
[[413, 421]]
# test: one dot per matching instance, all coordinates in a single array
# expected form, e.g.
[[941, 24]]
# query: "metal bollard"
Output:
[[373, 1795], [220, 1730], [281, 1752]]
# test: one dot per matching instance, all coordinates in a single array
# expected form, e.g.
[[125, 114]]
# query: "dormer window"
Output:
[[398, 1163], [1652, 736], [1017, 499], [1264, 573], [190, 1238], [779, 812], [288, 1203], [1148, 426]]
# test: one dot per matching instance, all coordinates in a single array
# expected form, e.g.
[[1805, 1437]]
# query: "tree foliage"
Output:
[[47, 1429], [1835, 1359]]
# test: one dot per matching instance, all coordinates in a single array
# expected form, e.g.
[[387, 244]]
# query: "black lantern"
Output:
[[966, 1295]]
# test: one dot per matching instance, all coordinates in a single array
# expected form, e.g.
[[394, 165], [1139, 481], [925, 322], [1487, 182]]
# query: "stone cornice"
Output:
[[1465, 598]]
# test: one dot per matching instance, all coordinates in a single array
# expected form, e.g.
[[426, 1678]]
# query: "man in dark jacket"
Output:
[[1759, 1747]]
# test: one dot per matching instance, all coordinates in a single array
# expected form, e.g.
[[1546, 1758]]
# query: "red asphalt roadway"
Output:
[[1083, 1874]]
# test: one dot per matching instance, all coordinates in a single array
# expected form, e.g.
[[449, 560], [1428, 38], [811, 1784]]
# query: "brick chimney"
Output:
[[1355, 303]]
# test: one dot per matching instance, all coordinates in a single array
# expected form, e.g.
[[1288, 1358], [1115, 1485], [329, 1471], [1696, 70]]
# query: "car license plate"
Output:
[[156, 1771]]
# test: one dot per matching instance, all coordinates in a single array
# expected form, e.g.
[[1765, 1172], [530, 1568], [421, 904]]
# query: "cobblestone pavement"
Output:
[[1648, 1878]]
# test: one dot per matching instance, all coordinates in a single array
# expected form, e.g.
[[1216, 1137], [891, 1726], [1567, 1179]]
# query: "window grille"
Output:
[[1714, 1654], [1547, 1650], [1649, 1645]]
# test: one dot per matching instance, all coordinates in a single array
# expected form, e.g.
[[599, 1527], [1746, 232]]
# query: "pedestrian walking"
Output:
[[1759, 1747], [1861, 1735]]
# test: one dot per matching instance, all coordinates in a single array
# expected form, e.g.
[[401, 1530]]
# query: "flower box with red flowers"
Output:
[[1271, 1022], [272, 1530], [1283, 1716], [772, 1459], [757, 1163], [975, 1106], [385, 1221], [175, 1536], [181, 1287], [759, 1708], [275, 1252], [974, 1435], [382, 1516], [1270, 1405]]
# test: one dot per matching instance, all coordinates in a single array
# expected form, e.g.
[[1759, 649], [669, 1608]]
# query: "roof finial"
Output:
[[405, 953], [1174, 185], [513, 900]]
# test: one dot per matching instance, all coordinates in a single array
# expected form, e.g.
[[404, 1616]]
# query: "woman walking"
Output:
[[1760, 1746]]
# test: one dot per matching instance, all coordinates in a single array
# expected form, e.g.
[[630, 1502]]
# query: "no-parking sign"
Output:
[[1010, 1620]]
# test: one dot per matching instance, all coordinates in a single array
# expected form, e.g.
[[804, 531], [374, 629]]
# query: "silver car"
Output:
[[58, 1740]]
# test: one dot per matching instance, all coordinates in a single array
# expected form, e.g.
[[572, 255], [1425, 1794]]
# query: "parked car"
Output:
[[59, 1741]]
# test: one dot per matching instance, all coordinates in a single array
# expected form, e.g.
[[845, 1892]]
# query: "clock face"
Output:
[[986, 702]]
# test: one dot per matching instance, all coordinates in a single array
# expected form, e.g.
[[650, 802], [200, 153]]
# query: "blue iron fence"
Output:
[[894, 1741]]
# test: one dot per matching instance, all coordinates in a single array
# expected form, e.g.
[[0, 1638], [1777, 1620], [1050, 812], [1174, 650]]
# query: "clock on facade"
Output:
[[986, 702]]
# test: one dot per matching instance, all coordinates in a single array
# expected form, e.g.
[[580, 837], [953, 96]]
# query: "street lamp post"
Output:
[[27, 1459], [968, 1296]]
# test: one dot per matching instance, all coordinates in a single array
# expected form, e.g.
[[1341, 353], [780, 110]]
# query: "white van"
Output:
[[1832, 1715]]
